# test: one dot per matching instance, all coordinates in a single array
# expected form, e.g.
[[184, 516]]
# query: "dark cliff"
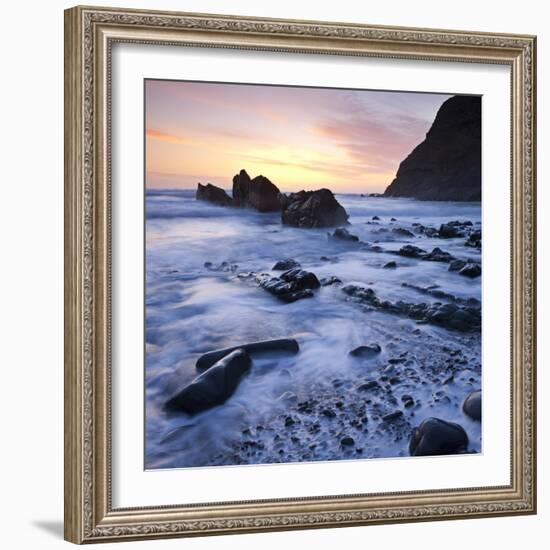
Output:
[[446, 166]]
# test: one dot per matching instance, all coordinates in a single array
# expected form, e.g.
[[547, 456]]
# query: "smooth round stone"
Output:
[[437, 437], [472, 405]]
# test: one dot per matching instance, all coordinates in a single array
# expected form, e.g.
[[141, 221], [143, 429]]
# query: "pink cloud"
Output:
[[165, 136]]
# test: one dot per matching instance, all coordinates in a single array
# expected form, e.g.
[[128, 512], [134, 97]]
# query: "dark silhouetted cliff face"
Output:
[[446, 166]]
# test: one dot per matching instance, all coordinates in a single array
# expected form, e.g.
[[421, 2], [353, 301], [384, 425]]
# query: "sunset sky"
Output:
[[300, 138]]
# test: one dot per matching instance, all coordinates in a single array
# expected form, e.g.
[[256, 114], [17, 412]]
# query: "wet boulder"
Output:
[[301, 279], [437, 437], [474, 239], [450, 231], [294, 284], [265, 346], [311, 209], [285, 265], [438, 255], [453, 316], [456, 265], [344, 235], [211, 193], [390, 265], [411, 251], [283, 290], [472, 405], [471, 270], [213, 387], [402, 232]]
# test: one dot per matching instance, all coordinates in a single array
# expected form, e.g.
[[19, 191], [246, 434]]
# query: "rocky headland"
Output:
[[446, 166]]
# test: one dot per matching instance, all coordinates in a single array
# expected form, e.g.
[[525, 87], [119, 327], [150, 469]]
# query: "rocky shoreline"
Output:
[[347, 417], [351, 413]]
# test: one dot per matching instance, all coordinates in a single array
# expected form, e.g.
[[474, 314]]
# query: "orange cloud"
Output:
[[164, 136]]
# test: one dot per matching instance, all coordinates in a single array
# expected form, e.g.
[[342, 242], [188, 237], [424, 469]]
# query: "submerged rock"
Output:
[[437, 437], [390, 265], [313, 209], [259, 193], [286, 264], [213, 387], [472, 405], [211, 193], [366, 352], [344, 235], [408, 400], [332, 280], [281, 344], [370, 385], [441, 294], [447, 164], [224, 266], [392, 416]]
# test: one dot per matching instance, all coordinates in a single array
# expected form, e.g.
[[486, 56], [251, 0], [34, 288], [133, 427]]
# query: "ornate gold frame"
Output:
[[89, 34]]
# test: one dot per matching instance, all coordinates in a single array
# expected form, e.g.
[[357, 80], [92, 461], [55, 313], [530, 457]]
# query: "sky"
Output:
[[350, 141]]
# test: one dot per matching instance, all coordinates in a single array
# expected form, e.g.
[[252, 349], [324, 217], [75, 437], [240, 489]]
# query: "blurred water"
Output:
[[191, 309]]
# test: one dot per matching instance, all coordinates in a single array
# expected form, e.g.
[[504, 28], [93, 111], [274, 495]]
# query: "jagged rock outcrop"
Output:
[[211, 193], [447, 164], [259, 193], [313, 209]]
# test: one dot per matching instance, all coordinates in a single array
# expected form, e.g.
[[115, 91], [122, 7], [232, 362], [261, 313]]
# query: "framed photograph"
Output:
[[300, 274]]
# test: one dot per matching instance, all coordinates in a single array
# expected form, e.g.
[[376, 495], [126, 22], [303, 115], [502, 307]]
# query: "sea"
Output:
[[193, 308]]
